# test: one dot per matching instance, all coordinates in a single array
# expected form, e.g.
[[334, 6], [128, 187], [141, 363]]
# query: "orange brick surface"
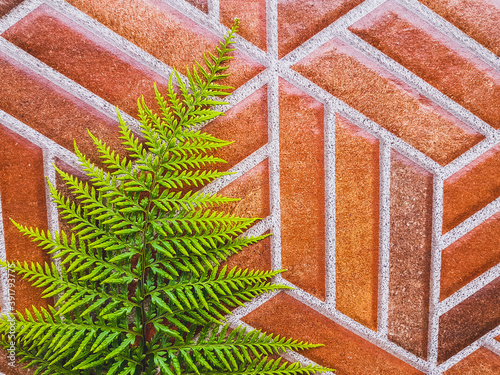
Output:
[[366, 135]]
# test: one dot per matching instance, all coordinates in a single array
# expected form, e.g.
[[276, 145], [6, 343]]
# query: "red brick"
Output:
[[425, 51], [471, 189], [165, 33], [344, 351], [51, 111], [302, 189], [388, 101], [410, 254], [469, 320], [7, 5], [299, 20], [246, 125], [254, 257], [86, 59], [253, 190], [357, 222], [22, 190], [480, 19], [200, 4], [470, 256], [252, 14], [482, 362]]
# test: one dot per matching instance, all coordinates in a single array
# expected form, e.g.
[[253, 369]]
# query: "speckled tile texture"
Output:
[[366, 136]]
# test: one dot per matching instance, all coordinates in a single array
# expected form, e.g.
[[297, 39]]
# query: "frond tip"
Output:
[[141, 287]]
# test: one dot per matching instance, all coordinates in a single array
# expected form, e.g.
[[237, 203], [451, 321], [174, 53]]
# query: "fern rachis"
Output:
[[141, 286]]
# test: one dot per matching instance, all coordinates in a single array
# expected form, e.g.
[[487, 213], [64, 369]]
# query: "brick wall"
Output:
[[366, 134]]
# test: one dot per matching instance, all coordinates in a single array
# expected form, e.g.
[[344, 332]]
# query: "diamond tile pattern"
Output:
[[366, 136]]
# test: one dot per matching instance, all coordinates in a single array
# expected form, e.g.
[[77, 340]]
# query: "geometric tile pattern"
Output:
[[366, 135]]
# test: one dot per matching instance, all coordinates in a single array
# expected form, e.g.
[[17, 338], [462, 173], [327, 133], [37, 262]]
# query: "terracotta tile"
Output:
[[357, 222], [469, 320], [252, 14], [200, 4], [388, 101], [22, 189], [299, 20], [253, 190], [7, 5], [470, 256], [480, 19], [86, 59], [254, 257], [410, 254], [246, 125], [344, 351], [482, 361], [51, 111], [471, 189], [302, 189], [425, 51], [159, 30]]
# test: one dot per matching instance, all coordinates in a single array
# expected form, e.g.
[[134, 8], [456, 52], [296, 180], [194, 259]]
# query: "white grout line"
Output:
[[353, 326], [470, 155], [453, 32], [492, 345], [330, 32], [330, 261], [484, 340], [214, 26], [435, 274], [468, 290], [272, 31], [3, 272], [52, 214], [65, 83], [384, 239], [38, 139], [362, 121], [239, 169], [469, 224], [417, 83], [272, 149], [214, 9], [274, 170], [115, 40], [19, 12]]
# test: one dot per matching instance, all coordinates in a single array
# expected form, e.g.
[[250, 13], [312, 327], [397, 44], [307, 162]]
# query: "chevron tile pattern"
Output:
[[366, 135]]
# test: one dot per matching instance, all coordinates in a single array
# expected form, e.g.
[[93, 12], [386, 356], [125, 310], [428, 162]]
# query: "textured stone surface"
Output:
[[302, 190], [22, 192], [410, 254], [482, 361], [299, 20], [469, 320], [357, 211], [470, 256], [246, 125], [308, 161], [53, 112], [253, 190], [480, 19], [164, 33], [386, 100], [347, 353], [471, 189], [252, 14], [83, 57], [7, 5], [434, 57]]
